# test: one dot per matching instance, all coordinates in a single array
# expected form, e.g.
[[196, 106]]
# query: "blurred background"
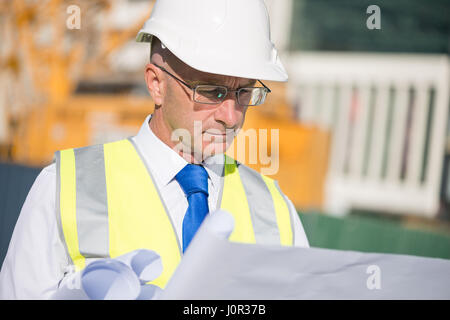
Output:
[[364, 136]]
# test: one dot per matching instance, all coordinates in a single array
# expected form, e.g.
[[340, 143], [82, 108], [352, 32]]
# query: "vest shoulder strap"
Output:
[[265, 204]]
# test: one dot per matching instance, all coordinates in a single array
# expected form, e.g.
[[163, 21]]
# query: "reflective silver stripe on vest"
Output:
[[260, 203], [291, 214], [91, 202]]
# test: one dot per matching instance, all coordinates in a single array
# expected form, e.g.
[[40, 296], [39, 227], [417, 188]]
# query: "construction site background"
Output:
[[64, 85]]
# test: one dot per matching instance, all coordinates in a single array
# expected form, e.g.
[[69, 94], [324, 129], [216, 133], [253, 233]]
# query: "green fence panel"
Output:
[[373, 235]]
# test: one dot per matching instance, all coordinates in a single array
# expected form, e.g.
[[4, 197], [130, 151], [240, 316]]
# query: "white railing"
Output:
[[387, 114]]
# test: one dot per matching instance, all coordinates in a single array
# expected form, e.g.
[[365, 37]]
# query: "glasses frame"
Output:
[[228, 90]]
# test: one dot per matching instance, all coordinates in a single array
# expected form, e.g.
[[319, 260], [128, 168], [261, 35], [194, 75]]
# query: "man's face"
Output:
[[211, 128]]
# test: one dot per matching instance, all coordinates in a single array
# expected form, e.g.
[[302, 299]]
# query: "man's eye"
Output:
[[218, 93], [213, 92]]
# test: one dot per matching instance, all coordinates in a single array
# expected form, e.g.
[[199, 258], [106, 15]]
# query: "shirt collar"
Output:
[[165, 163]]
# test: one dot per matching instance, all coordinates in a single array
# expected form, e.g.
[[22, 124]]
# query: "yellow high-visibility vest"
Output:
[[108, 205]]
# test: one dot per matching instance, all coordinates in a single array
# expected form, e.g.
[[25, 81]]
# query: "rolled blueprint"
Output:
[[145, 263], [149, 292], [104, 279]]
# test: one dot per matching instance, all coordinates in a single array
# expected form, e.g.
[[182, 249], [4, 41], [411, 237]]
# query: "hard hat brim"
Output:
[[272, 70]]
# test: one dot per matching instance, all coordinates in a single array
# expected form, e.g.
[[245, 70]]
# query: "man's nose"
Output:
[[228, 111]]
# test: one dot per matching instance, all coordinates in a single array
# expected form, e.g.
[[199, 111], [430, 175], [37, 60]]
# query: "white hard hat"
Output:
[[227, 37]]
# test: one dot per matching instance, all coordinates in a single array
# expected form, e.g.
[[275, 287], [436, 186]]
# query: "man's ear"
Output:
[[155, 83]]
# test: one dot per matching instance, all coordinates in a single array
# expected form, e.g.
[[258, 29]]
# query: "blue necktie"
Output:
[[193, 179]]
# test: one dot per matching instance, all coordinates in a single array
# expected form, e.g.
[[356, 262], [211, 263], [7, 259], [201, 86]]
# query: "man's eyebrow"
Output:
[[217, 83]]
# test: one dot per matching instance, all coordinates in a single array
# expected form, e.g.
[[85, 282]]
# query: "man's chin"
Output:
[[208, 150]]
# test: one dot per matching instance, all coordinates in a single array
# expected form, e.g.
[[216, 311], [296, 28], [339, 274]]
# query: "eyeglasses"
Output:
[[214, 94]]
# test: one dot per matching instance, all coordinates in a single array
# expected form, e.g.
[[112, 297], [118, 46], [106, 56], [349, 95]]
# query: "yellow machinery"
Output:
[[42, 62]]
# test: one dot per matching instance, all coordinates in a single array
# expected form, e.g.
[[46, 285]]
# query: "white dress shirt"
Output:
[[37, 261]]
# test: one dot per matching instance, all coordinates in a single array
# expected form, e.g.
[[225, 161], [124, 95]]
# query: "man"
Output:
[[152, 191]]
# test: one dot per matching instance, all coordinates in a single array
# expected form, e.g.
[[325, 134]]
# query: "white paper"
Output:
[[215, 268]]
